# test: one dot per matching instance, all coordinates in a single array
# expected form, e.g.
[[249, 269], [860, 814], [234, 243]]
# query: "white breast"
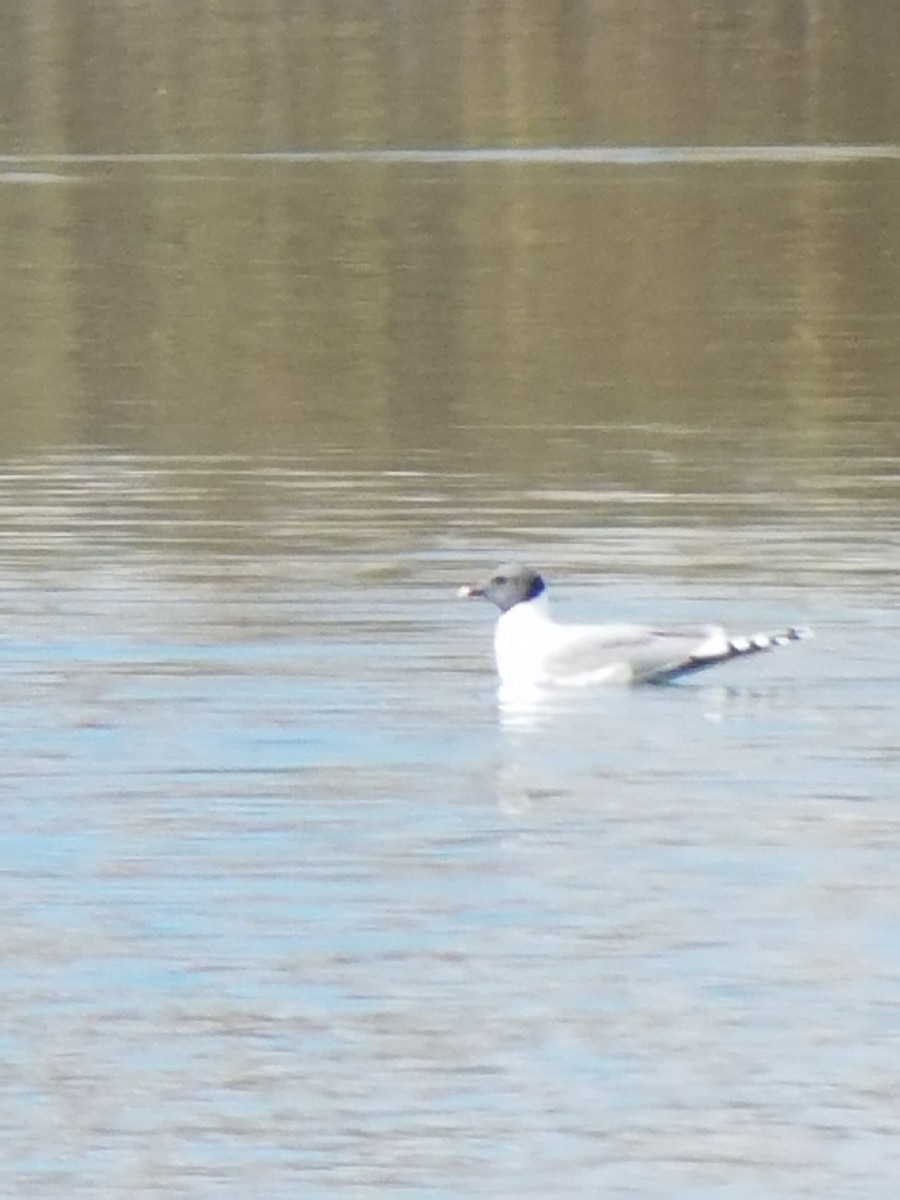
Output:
[[532, 651], [523, 638]]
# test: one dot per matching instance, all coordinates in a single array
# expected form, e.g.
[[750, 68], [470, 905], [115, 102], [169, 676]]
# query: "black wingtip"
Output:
[[737, 647]]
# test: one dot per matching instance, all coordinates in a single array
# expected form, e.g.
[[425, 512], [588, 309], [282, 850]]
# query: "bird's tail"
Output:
[[733, 647]]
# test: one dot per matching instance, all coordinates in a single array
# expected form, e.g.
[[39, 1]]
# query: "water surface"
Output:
[[291, 905], [310, 317]]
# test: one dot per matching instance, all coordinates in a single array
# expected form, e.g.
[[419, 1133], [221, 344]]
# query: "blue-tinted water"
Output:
[[290, 905]]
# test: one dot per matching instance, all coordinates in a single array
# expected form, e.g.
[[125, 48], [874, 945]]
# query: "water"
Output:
[[307, 320], [290, 905]]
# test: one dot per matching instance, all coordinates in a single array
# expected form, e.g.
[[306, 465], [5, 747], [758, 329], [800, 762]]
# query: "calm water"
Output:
[[309, 317], [288, 906]]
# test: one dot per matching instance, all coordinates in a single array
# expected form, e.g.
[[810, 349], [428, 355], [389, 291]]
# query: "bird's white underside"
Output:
[[532, 650]]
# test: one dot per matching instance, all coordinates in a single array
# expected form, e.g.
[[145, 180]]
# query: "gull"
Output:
[[534, 651]]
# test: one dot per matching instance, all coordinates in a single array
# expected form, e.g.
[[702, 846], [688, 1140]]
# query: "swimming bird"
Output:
[[534, 651]]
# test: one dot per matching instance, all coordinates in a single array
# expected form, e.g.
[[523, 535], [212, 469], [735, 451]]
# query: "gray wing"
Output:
[[648, 654]]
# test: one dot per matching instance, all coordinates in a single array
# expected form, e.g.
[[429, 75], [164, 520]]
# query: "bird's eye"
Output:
[[501, 579]]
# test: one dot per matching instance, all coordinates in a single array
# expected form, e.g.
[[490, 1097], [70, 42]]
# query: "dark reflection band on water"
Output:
[[395, 306]]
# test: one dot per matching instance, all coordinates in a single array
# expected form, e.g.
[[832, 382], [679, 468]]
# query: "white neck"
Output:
[[520, 640]]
